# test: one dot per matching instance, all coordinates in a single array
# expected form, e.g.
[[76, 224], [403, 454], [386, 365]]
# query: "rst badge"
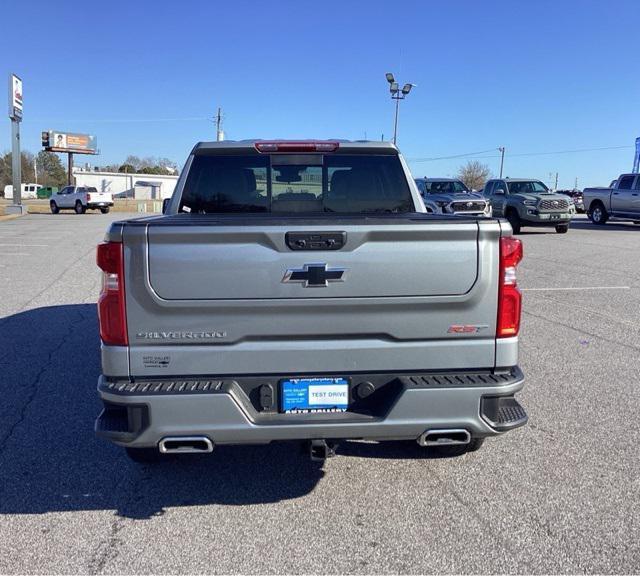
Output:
[[467, 328]]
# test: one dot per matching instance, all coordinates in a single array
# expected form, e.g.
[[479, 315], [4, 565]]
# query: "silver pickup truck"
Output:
[[621, 200], [300, 291]]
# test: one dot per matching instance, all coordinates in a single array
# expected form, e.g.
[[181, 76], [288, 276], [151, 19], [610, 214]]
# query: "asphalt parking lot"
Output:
[[560, 495]]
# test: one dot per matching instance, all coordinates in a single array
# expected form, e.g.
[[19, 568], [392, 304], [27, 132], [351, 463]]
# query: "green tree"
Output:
[[26, 167], [5, 170], [127, 167], [51, 172]]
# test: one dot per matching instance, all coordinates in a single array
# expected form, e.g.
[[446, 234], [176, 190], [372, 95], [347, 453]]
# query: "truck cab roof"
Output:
[[302, 146]]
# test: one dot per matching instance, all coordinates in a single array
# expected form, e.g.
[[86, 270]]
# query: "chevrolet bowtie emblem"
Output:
[[314, 275]]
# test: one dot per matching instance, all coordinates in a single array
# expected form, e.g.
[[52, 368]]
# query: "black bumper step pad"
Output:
[[503, 412], [208, 385], [164, 387]]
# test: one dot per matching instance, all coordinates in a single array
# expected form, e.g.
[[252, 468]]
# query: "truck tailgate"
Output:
[[214, 299], [235, 262]]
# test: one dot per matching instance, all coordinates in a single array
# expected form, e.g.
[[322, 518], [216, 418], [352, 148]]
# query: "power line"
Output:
[[451, 157], [475, 154]]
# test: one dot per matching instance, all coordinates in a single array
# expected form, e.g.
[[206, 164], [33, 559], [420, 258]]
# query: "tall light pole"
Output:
[[501, 150], [397, 94], [219, 132]]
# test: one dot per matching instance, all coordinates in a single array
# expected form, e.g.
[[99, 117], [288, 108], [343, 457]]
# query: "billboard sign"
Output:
[[15, 97], [71, 142]]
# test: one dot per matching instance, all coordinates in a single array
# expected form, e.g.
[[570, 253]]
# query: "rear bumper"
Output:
[[402, 406], [105, 204]]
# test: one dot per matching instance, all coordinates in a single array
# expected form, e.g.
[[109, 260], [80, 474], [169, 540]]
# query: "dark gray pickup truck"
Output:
[[300, 291]]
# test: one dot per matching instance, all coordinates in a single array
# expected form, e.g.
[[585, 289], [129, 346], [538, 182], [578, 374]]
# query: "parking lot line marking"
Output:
[[576, 288], [14, 254], [27, 245]]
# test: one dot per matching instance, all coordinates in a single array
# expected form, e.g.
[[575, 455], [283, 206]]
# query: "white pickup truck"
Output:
[[621, 200], [81, 198]]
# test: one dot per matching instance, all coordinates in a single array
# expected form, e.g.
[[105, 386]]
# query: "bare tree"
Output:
[[474, 174]]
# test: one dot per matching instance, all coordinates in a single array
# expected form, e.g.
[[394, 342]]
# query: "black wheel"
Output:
[[514, 220], [145, 455], [105, 210], [54, 208], [598, 214], [562, 228], [79, 208]]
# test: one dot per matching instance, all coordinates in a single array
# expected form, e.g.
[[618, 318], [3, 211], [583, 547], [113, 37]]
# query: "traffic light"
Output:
[[45, 140]]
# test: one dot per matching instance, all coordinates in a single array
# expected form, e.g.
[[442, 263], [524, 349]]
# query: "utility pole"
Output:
[[556, 187], [35, 167], [219, 132], [575, 185], [69, 168], [501, 150]]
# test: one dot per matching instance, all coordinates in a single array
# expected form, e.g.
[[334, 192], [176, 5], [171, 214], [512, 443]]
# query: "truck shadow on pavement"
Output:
[[611, 225], [51, 460]]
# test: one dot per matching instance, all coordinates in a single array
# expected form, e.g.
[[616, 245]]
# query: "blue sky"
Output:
[[536, 77]]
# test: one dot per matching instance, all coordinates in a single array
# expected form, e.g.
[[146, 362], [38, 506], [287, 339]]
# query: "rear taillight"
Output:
[[112, 312], [88, 197], [297, 146], [509, 296]]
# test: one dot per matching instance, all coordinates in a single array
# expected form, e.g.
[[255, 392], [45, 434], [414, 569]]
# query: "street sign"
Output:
[[15, 97]]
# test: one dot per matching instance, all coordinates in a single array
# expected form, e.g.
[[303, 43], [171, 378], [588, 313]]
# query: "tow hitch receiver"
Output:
[[320, 450]]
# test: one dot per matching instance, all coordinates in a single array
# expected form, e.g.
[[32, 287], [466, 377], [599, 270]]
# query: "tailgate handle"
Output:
[[315, 240]]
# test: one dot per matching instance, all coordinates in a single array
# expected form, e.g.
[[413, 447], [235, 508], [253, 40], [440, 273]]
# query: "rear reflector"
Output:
[[297, 146], [112, 313], [509, 296]]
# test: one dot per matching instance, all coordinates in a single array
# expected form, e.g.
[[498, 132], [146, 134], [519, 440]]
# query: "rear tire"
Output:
[[514, 220], [105, 210], [562, 228], [145, 455], [54, 208], [79, 208], [598, 214]]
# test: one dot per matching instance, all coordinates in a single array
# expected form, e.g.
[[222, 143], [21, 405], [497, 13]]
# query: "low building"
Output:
[[123, 185]]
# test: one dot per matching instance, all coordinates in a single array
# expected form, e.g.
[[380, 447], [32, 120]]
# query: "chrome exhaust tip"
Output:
[[185, 445], [456, 436]]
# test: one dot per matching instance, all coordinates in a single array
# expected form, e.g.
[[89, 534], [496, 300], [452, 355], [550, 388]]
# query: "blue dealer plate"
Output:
[[314, 395]]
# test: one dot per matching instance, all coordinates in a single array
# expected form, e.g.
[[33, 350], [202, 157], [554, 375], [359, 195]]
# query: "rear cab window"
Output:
[[626, 182], [296, 183]]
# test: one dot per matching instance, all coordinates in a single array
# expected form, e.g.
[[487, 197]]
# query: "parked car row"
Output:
[[523, 202], [576, 198]]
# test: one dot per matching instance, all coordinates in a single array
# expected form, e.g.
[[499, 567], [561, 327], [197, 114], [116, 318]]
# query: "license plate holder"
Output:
[[313, 395]]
